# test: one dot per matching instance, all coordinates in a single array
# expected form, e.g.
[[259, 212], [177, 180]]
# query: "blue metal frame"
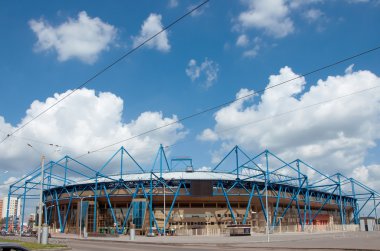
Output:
[[255, 176]]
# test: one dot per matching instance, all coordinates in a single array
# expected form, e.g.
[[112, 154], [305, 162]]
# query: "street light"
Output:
[[164, 210], [80, 215], [40, 204]]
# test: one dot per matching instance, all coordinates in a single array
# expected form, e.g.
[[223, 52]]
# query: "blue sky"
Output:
[[226, 49]]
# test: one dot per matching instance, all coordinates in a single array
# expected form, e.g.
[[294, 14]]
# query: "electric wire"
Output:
[[106, 68], [286, 112], [247, 96], [209, 109]]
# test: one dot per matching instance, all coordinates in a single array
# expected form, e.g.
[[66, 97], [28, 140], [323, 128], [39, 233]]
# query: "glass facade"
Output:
[[138, 214]]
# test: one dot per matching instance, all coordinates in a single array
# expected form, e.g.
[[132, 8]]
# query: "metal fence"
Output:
[[273, 230]]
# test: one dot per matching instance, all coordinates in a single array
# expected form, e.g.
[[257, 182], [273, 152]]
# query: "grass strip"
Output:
[[32, 245]]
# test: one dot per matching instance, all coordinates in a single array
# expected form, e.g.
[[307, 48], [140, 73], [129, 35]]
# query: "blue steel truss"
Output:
[[264, 177]]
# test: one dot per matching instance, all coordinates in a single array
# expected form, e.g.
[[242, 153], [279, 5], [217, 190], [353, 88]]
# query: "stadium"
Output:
[[259, 191]]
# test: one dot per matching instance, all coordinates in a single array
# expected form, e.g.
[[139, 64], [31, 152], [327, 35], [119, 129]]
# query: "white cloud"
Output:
[[204, 169], [5, 186], [272, 16], [151, 26], [251, 46], [242, 40], [86, 121], [368, 175], [296, 4], [207, 71], [358, 1], [173, 3], [208, 135], [192, 70], [251, 53], [199, 11], [313, 15], [349, 69], [83, 38], [333, 137]]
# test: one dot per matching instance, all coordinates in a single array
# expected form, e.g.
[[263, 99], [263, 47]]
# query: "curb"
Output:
[[213, 245], [52, 249]]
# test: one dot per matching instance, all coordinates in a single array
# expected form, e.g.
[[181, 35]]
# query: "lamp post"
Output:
[[164, 210], [266, 205], [40, 205], [80, 216]]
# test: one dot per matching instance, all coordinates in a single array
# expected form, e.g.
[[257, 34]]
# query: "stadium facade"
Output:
[[259, 191]]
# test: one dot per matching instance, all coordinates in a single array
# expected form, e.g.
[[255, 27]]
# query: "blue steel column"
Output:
[[308, 209], [277, 204], [297, 201], [375, 207], [356, 219], [161, 149], [228, 202], [173, 203], [342, 220], [23, 206], [121, 163], [110, 205], [95, 203], [7, 218], [249, 204], [50, 172], [58, 211], [64, 182], [237, 162], [150, 204]]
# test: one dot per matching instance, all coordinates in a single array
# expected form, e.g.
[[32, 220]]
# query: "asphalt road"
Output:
[[78, 245], [354, 241]]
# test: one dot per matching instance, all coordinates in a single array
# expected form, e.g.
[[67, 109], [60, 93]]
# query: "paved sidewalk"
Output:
[[302, 241]]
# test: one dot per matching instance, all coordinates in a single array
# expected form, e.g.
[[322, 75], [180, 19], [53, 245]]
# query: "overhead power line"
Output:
[[212, 108], [274, 116], [106, 68]]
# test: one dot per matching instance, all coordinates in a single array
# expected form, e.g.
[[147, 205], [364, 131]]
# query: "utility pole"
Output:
[[41, 203], [164, 210]]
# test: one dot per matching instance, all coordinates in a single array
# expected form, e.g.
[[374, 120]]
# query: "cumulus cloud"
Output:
[[207, 72], [272, 16], [83, 38], [86, 121], [151, 26], [334, 136]]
